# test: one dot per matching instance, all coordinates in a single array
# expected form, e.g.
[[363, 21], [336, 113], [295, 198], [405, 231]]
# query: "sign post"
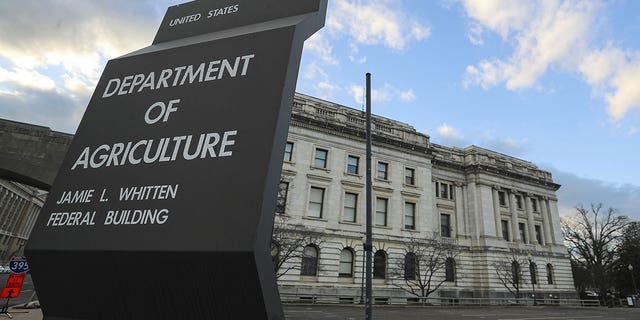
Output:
[[164, 203]]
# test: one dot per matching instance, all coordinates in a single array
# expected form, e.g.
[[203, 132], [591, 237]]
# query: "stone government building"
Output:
[[19, 207], [483, 203]]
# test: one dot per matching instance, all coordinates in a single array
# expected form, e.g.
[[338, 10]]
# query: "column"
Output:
[[467, 219], [555, 221], [529, 210], [496, 212], [460, 219], [515, 232], [472, 192], [546, 222]]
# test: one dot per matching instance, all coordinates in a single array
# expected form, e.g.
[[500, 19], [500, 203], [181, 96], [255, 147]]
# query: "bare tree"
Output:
[[423, 267], [591, 237], [510, 271], [287, 244]]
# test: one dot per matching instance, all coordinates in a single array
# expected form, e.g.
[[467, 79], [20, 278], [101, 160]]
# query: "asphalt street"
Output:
[[295, 312], [356, 312]]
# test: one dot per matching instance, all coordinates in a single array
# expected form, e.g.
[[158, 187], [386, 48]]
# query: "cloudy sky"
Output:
[[553, 82]]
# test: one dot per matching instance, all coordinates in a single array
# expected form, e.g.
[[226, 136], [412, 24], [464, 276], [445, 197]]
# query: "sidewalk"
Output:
[[24, 314]]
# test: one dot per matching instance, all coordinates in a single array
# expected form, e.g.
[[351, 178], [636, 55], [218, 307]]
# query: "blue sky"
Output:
[[553, 82]]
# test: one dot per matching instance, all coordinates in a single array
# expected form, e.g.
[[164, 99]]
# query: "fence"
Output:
[[433, 301]]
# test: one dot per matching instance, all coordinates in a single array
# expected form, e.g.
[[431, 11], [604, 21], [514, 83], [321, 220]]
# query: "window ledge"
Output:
[[320, 169], [382, 227], [315, 218], [350, 223]]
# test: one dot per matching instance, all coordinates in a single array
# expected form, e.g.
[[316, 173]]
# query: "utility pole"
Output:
[[368, 242]]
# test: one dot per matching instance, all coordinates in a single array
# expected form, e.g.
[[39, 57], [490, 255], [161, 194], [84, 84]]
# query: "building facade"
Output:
[[19, 207], [487, 208]]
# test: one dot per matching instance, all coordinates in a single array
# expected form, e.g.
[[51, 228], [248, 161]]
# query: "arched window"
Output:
[[450, 270], [410, 266], [515, 272], [380, 265], [345, 269], [549, 273], [309, 265], [533, 271]]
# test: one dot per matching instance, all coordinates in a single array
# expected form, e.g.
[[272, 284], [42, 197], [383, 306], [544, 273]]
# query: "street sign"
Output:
[[18, 265], [175, 166], [13, 286]]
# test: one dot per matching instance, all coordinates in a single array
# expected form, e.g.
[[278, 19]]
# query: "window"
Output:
[[502, 198], [381, 212], [450, 270], [353, 164], [380, 265], [505, 229], [350, 207], [409, 176], [320, 159], [410, 266], [445, 225], [382, 170], [519, 201], [281, 202], [444, 190], [288, 151], [309, 265], [409, 215], [533, 271], [275, 255], [538, 234], [534, 205], [345, 269], [549, 273], [515, 272], [316, 198], [523, 234]]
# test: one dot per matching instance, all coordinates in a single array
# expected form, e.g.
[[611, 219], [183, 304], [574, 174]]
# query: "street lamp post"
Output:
[[532, 271], [633, 279]]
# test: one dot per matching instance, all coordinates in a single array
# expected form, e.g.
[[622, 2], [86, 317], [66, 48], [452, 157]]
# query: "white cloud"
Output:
[[27, 78], [626, 91], [450, 136], [320, 46], [53, 53], [545, 33], [447, 131], [408, 96], [615, 74], [357, 92], [383, 94], [502, 17], [375, 23], [552, 34], [321, 86]]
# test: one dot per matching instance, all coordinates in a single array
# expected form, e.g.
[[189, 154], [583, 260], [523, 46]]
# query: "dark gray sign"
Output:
[[163, 206]]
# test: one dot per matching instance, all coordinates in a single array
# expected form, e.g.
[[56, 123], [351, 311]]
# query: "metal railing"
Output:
[[293, 298]]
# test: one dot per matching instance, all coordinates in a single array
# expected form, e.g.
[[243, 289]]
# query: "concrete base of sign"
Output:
[[151, 285]]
